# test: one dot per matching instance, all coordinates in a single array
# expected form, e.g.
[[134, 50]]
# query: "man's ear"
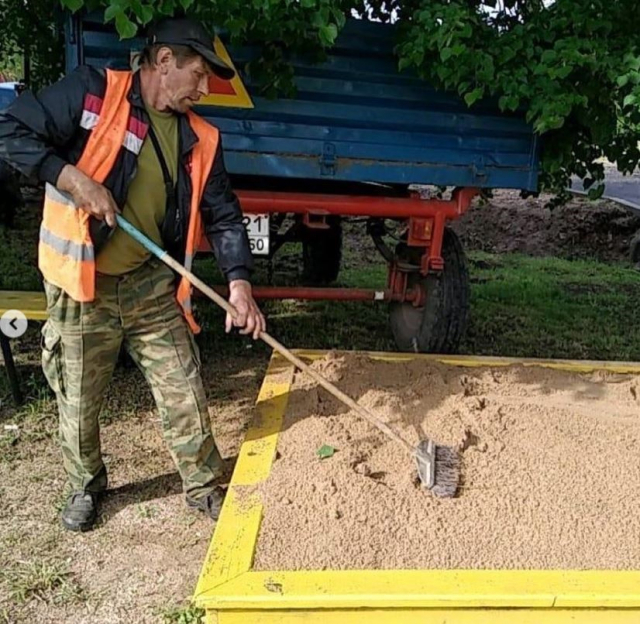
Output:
[[163, 59]]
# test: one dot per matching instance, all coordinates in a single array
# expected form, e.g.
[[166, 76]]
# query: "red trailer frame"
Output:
[[426, 223]]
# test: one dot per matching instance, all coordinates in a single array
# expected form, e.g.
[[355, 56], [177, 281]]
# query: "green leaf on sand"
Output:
[[325, 451]]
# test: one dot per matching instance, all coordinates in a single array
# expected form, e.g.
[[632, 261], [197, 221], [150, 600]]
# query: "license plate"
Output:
[[257, 226]]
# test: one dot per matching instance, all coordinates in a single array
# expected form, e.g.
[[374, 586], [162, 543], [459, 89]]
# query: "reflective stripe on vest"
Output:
[[75, 251], [66, 255]]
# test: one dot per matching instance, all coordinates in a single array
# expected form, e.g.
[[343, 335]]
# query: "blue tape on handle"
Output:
[[146, 242]]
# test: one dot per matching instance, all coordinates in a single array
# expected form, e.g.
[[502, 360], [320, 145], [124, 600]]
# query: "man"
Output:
[[106, 142]]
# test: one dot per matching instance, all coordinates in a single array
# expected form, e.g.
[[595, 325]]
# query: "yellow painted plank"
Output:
[[475, 361], [429, 588], [211, 617], [259, 448], [32, 304], [231, 550], [430, 616]]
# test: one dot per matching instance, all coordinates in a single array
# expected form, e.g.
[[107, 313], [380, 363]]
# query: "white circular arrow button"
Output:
[[13, 323]]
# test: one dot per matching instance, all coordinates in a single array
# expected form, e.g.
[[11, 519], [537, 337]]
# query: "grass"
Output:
[[521, 306], [35, 420], [181, 615], [552, 308], [18, 265], [146, 511], [47, 581]]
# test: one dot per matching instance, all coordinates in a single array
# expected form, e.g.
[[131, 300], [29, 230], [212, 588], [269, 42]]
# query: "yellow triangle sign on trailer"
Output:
[[226, 92]]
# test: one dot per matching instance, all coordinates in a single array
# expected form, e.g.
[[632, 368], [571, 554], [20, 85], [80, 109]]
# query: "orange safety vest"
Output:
[[66, 255]]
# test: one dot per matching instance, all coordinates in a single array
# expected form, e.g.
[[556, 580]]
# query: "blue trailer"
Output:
[[354, 141]]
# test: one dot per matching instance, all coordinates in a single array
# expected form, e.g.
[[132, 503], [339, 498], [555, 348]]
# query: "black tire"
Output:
[[439, 326], [322, 253]]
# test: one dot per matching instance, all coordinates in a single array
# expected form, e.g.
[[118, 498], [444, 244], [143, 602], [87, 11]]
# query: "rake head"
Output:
[[438, 468]]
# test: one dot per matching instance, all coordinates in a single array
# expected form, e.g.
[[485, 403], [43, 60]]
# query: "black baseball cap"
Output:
[[189, 32]]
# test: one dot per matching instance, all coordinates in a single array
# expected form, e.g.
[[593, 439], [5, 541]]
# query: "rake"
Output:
[[438, 466]]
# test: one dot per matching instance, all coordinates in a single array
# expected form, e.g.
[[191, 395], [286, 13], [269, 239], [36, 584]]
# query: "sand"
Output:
[[551, 471]]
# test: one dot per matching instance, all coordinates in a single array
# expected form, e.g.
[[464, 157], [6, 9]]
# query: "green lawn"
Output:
[[520, 305], [547, 307]]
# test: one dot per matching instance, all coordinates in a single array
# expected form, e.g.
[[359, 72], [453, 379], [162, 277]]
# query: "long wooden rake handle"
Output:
[[270, 340]]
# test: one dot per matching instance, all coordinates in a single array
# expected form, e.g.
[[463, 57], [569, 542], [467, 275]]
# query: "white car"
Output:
[[10, 194], [8, 92]]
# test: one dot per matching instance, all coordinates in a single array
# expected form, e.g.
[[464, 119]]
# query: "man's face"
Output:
[[183, 86]]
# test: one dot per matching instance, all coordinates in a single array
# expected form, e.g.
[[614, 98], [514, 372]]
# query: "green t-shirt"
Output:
[[145, 206]]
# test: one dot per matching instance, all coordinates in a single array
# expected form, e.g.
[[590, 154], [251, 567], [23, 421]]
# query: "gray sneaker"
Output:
[[80, 512], [210, 503]]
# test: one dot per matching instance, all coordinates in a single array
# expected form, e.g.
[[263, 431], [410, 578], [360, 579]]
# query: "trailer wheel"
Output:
[[439, 326], [322, 253]]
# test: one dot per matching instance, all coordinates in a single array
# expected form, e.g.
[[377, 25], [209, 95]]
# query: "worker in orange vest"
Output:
[[107, 142]]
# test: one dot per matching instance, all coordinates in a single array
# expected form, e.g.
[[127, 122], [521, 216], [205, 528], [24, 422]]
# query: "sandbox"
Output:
[[545, 521]]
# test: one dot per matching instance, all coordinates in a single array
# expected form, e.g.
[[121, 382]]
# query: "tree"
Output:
[[573, 66], [31, 40]]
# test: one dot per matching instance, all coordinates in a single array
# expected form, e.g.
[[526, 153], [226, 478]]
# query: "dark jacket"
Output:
[[40, 134], [10, 194]]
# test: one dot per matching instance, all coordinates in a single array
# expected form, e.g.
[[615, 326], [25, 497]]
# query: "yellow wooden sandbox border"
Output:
[[231, 593]]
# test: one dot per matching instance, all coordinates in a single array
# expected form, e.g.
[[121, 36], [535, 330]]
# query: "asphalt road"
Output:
[[624, 188]]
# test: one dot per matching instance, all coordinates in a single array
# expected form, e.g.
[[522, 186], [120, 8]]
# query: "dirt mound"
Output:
[[579, 229]]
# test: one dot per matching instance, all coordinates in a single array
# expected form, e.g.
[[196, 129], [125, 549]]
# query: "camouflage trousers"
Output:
[[80, 347]]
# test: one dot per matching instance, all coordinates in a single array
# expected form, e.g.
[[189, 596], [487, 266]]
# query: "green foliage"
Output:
[[11, 66], [279, 26], [572, 65], [43, 580], [30, 32], [179, 615]]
